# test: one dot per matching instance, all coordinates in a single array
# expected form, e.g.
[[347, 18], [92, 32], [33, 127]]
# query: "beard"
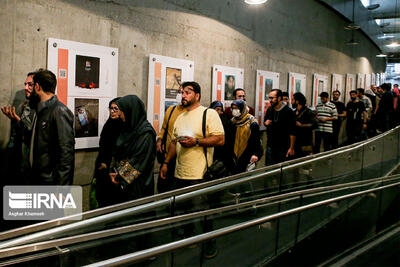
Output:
[[186, 103], [34, 98], [353, 98]]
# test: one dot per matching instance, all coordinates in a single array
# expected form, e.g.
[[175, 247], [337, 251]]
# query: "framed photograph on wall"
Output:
[[337, 84], [266, 81], [296, 83], [367, 84], [320, 84], [87, 79], [378, 79], [360, 80], [166, 74], [373, 79], [382, 77], [350, 85], [224, 82]]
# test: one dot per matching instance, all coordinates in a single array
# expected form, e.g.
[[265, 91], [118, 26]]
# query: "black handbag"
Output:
[[217, 168], [161, 155]]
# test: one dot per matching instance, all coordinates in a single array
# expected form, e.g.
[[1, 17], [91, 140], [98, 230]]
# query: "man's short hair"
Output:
[[337, 91], [300, 98], [46, 79], [30, 73], [238, 89], [353, 92], [385, 87], [395, 85], [278, 92], [285, 94], [196, 87], [361, 90], [324, 94]]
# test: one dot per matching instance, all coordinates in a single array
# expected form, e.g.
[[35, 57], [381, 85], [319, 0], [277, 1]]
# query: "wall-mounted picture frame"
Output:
[[337, 84], [166, 74], [360, 80], [367, 82], [265, 82], [296, 83], [87, 79], [351, 83], [224, 82], [373, 79], [320, 84]]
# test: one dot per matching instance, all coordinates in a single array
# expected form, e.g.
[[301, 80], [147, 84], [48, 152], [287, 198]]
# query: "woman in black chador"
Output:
[[105, 191], [134, 153]]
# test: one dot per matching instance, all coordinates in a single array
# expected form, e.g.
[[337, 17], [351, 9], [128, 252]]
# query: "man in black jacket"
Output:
[[280, 122], [52, 146], [306, 122]]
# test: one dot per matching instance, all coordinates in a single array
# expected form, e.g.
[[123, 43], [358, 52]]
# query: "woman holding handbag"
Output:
[[134, 153]]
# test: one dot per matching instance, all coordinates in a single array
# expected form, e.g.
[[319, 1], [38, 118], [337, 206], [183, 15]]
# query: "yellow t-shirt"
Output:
[[191, 162], [177, 111]]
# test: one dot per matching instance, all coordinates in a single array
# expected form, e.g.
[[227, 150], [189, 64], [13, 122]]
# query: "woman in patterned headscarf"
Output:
[[246, 131], [135, 151]]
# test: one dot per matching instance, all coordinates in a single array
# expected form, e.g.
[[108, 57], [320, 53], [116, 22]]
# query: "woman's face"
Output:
[[219, 110], [114, 111]]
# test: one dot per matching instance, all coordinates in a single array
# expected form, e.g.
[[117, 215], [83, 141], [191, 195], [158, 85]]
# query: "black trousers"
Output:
[[189, 206], [336, 125], [322, 136]]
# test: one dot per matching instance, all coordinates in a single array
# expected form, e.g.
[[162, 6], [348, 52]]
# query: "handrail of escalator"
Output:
[[35, 247], [151, 202], [151, 252]]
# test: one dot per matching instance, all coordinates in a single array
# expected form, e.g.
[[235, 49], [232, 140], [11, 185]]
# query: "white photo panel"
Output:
[[166, 74], [337, 84], [296, 83], [266, 81], [320, 84], [225, 81]]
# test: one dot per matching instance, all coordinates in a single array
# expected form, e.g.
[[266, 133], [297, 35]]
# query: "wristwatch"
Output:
[[197, 141]]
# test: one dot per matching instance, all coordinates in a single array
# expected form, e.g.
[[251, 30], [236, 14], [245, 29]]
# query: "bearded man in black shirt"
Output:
[[337, 124], [356, 119], [280, 122]]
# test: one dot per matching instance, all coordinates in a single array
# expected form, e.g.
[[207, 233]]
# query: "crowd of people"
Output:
[[195, 144]]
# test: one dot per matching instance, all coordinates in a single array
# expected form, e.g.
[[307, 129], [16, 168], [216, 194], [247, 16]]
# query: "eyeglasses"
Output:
[[272, 97], [241, 96], [115, 109], [29, 84]]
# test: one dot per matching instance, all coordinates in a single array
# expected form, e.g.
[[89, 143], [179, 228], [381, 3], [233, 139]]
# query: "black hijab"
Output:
[[134, 130]]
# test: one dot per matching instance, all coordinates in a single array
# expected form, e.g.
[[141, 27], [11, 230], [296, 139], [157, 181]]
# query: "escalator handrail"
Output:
[[151, 252], [180, 194], [17, 250]]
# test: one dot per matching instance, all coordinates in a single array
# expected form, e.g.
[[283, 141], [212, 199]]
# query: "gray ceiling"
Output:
[[389, 25]]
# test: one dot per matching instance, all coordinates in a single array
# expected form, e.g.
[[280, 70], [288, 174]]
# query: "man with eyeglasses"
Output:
[[281, 124], [238, 94], [22, 119]]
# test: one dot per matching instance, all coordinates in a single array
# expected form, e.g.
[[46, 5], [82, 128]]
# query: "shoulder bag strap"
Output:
[[204, 134], [164, 139]]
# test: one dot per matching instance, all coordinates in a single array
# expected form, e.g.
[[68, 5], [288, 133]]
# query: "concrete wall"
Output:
[[281, 35]]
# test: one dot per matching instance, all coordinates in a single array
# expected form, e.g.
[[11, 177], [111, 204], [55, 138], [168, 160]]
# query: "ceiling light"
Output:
[[381, 55], [255, 2], [393, 45], [372, 7]]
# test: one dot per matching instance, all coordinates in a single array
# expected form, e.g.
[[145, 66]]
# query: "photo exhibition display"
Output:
[[87, 79]]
